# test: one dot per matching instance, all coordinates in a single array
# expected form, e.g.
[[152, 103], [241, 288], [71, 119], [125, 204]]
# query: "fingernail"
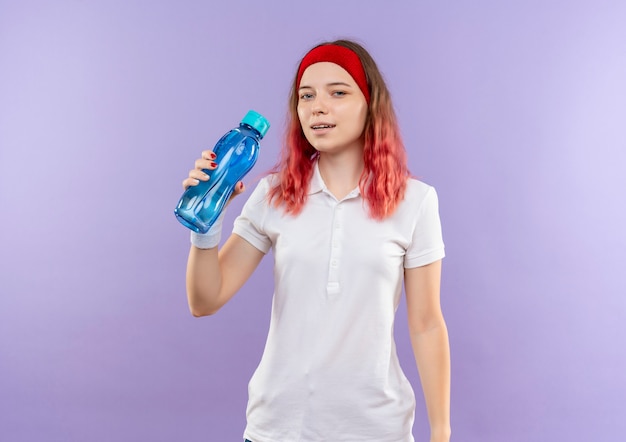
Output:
[[213, 156], [213, 164], [240, 185]]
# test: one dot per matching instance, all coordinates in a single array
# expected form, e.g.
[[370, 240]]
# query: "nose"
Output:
[[319, 106]]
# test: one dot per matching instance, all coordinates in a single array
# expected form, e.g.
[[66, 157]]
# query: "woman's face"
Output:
[[331, 108]]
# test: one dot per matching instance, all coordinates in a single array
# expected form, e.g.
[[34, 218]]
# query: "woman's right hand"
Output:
[[206, 161]]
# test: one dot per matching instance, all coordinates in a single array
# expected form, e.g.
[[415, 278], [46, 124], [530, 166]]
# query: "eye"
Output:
[[306, 96], [339, 93]]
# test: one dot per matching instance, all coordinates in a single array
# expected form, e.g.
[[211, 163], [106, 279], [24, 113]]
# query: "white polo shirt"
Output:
[[329, 371]]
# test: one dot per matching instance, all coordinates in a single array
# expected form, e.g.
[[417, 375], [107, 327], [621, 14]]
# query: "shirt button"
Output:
[[334, 263]]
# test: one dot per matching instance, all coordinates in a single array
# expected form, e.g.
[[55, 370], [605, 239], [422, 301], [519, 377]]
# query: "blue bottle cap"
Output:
[[257, 121]]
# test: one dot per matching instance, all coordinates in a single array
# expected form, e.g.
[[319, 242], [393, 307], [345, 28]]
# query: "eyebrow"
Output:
[[336, 83]]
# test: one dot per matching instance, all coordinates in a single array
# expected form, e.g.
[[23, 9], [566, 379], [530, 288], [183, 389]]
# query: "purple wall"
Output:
[[515, 111]]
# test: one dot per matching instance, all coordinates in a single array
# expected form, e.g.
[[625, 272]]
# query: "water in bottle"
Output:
[[236, 152]]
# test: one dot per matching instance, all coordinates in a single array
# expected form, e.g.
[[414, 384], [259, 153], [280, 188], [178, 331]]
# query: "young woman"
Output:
[[347, 226]]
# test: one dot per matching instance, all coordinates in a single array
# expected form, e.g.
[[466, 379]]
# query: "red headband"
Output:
[[340, 55]]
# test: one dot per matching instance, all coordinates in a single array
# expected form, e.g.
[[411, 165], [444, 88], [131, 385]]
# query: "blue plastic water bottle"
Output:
[[237, 151]]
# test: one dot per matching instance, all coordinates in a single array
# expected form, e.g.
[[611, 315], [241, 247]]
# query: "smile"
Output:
[[322, 126]]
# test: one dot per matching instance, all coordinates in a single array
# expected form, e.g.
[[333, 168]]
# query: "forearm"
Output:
[[432, 355], [213, 278], [203, 281]]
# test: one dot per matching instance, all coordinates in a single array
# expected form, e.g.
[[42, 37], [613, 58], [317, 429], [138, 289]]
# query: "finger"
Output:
[[239, 188], [205, 164], [194, 178], [208, 155], [188, 182], [198, 175]]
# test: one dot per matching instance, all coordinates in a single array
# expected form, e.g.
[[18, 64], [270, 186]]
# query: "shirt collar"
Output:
[[317, 183]]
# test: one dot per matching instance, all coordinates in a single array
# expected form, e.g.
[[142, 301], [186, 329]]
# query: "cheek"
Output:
[[364, 112], [301, 114], [360, 121]]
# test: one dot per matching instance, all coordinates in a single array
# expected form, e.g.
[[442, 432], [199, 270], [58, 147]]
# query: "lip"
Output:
[[321, 127]]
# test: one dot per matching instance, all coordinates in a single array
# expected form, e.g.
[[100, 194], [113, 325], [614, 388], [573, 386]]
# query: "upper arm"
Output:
[[422, 286], [243, 250]]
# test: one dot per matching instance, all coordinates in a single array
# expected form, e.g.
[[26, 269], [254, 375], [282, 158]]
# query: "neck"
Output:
[[341, 172]]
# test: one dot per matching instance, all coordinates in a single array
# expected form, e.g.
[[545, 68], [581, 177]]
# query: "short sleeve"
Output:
[[249, 225], [427, 242]]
